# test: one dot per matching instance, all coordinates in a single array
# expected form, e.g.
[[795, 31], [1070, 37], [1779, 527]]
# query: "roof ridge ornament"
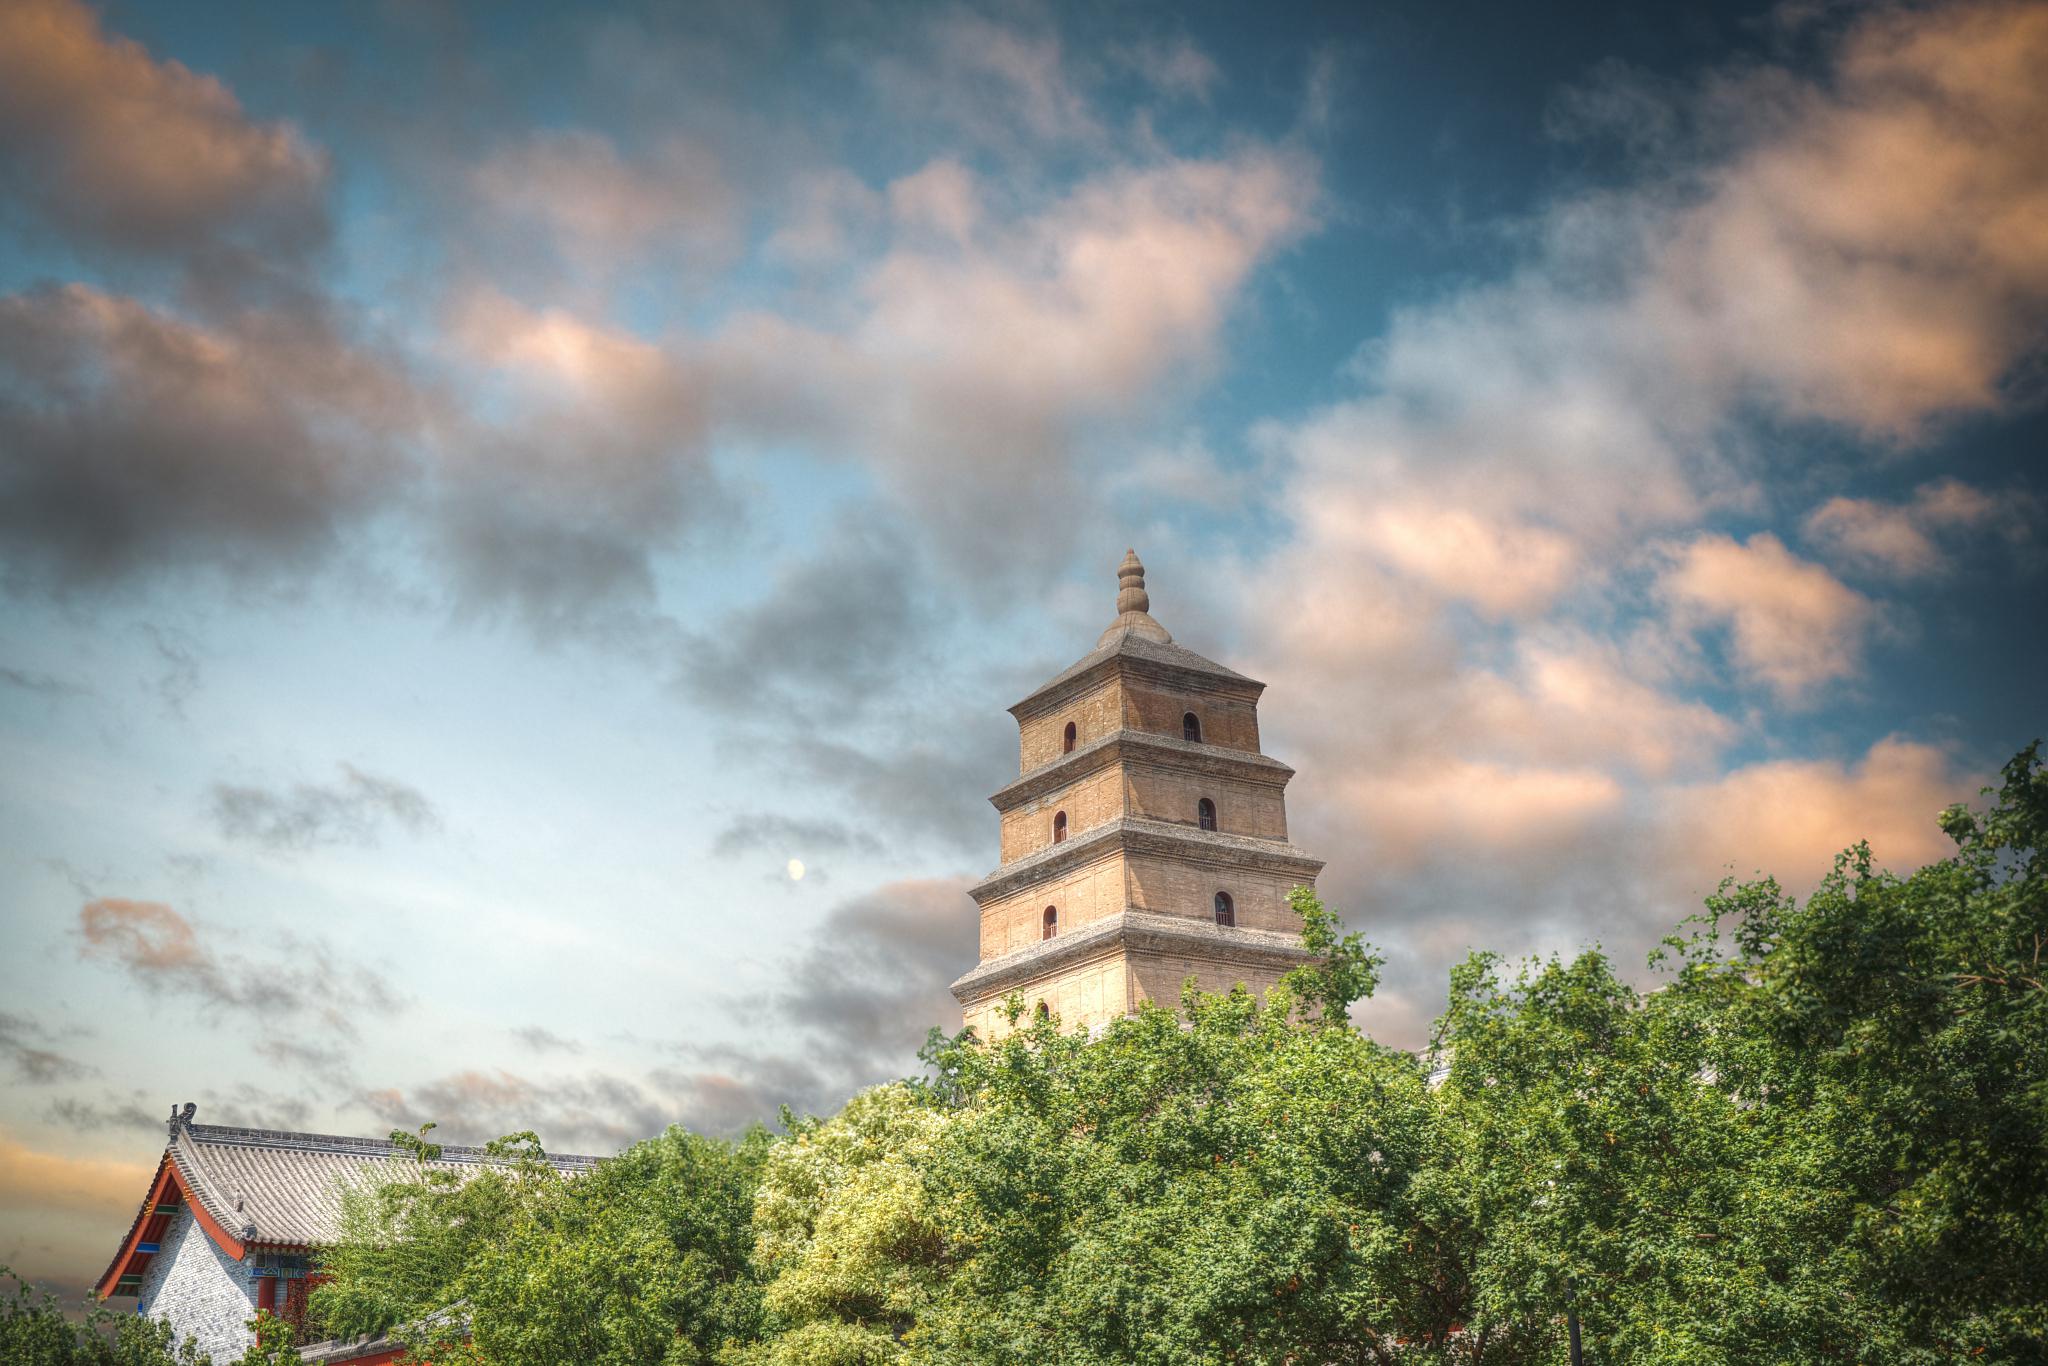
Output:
[[1133, 606], [181, 1118]]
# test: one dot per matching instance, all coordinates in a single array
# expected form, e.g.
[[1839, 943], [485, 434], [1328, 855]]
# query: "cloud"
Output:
[[598, 211], [591, 1110], [328, 1062], [594, 458], [351, 811], [1789, 817], [163, 953], [1575, 699], [43, 684], [999, 85], [30, 1179], [132, 441], [729, 1090], [258, 1107], [116, 148], [63, 1212], [1016, 345], [980, 342], [860, 999], [1904, 540], [1793, 625], [930, 788], [23, 1042], [828, 216], [541, 1040], [942, 197], [112, 1111], [1506, 810], [1503, 568], [176, 653], [1174, 67], [792, 835], [834, 628], [1849, 250], [1506, 546], [877, 974]]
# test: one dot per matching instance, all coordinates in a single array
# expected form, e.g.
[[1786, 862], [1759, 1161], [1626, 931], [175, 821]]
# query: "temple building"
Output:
[[1144, 841], [232, 1219]]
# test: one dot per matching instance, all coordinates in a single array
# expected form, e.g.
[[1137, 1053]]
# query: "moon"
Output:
[[796, 870]]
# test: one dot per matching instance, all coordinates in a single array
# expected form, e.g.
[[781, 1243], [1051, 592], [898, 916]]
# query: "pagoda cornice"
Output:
[[1131, 930], [1135, 835], [1171, 751]]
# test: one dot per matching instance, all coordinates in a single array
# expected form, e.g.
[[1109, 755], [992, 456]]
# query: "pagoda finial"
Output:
[[1130, 585], [1133, 605]]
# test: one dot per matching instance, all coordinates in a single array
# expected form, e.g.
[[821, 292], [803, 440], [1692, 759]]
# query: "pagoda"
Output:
[[1144, 841]]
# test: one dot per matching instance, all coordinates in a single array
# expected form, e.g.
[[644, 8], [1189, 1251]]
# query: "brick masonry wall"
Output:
[[1173, 887], [1095, 713], [1082, 997], [1155, 977], [202, 1291], [1088, 801], [1162, 794], [1084, 895], [1226, 722]]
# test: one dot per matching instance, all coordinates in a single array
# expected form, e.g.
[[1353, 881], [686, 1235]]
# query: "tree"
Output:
[[410, 1232], [1822, 1137], [847, 1233], [646, 1260], [1825, 1138]]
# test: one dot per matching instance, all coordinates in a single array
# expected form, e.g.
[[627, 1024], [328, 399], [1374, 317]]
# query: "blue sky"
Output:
[[483, 489]]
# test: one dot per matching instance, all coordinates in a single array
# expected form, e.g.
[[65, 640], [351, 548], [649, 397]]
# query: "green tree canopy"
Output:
[[1820, 1134]]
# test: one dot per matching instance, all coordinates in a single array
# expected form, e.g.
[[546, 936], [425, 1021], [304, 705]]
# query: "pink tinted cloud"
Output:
[[1429, 808], [146, 937], [942, 196], [1789, 817], [1865, 249], [1912, 539], [117, 146], [967, 373], [1792, 625]]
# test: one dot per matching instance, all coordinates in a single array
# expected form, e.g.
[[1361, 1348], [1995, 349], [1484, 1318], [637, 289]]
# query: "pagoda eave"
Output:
[[1131, 931], [1184, 755], [1135, 835]]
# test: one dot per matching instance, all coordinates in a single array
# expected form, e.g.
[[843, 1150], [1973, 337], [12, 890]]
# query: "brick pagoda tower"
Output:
[[1145, 840]]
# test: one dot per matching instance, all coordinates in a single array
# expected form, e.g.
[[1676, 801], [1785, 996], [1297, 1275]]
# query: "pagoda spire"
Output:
[[1133, 605]]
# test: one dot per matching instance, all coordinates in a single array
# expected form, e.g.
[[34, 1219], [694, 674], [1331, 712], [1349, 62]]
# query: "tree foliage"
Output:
[[648, 1259], [1820, 1135]]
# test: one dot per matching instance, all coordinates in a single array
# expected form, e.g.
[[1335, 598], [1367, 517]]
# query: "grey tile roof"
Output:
[[1131, 646], [279, 1188]]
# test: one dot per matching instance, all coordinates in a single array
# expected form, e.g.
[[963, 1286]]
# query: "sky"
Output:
[[519, 524]]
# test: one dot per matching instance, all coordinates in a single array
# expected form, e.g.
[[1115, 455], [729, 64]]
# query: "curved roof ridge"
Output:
[[203, 1184], [350, 1145]]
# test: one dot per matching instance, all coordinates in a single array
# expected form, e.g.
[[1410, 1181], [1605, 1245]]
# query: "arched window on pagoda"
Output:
[[1052, 922], [1067, 744], [1059, 826], [1044, 1012], [1191, 728], [1205, 814], [1226, 910]]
